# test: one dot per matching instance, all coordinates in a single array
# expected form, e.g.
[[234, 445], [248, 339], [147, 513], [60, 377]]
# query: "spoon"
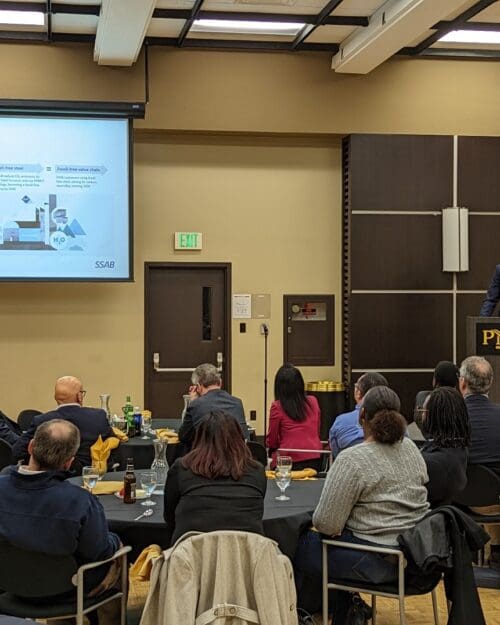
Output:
[[147, 512]]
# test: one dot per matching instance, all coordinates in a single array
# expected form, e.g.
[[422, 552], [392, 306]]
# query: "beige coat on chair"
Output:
[[230, 578]]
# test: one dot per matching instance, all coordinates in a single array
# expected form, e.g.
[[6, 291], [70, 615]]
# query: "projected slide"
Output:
[[64, 198]]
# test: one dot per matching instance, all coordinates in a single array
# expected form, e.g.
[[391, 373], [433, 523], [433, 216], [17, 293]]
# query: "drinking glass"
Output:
[[282, 479], [284, 462], [119, 422], [147, 422], [89, 478], [149, 480]]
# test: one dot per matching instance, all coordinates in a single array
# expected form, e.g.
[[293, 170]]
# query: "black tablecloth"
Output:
[[283, 520], [143, 451], [13, 620]]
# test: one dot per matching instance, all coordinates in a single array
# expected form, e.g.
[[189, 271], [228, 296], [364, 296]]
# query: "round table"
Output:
[[283, 521], [142, 450]]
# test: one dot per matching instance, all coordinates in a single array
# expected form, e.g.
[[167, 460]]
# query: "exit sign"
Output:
[[188, 241]]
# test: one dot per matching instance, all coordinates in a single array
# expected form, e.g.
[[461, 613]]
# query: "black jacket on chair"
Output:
[[9, 430], [443, 541]]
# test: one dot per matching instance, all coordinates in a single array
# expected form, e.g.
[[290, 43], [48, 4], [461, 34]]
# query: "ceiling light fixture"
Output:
[[22, 18], [472, 36], [246, 27]]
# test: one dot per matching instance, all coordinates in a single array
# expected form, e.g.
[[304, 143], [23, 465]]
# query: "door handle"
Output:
[[158, 369], [220, 360]]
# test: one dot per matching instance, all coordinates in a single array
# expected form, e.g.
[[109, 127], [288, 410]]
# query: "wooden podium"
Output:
[[483, 339]]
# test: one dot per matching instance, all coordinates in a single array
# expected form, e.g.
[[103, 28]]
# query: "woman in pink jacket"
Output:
[[294, 420]]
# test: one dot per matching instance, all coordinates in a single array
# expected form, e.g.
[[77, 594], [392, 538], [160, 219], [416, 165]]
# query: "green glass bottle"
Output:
[[128, 412]]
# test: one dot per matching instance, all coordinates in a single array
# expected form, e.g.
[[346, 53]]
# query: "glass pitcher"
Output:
[[105, 397], [187, 399], [160, 464]]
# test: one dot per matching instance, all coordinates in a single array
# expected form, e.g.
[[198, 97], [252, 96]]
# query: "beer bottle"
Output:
[[129, 483]]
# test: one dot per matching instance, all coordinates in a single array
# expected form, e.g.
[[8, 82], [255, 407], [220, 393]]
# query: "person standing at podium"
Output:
[[492, 296]]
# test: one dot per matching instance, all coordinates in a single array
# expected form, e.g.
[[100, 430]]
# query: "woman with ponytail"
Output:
[[372, 493]]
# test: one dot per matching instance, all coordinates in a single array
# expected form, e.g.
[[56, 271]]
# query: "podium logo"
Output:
[[491, 337]]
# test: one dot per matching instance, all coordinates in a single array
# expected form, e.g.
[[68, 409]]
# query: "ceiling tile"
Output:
[[363, 8], [330, 34], [74, 24], [165, 28]]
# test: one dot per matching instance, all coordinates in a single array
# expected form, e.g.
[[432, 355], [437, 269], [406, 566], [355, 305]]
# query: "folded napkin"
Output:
[[99, 452], [304, 474], [121, 436], [107, 488], [141, 569], [167, 435]]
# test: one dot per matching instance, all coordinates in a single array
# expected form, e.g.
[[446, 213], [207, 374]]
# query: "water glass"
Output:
[[283, 477], [147, 423], [284, 462], [89, 478], [149, 479]]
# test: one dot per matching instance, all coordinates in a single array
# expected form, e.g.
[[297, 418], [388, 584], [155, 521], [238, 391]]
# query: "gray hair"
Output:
[[55, 442], [206, 375], [477, 373], [370, 380]]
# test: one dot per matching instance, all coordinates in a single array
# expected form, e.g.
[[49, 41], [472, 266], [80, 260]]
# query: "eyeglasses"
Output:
[[420, 413], [82, 392]]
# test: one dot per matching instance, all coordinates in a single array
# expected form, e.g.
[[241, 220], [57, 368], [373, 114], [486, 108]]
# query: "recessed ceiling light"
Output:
[[244, 27], [472, 36], [24, 18]]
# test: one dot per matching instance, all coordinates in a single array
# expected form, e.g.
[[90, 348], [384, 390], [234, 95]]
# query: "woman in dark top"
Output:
[[445, 425], [217, 485]]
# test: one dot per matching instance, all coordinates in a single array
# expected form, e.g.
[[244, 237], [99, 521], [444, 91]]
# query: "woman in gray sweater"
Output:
[[372, 493]]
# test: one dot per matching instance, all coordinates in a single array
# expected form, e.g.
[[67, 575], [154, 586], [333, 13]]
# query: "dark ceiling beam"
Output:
[[23, 6], [231, 44], [189, 22], [76, 9], [72, 38], [460, 53], [320, 20], [451, 25], [10, 36], [472, 26]]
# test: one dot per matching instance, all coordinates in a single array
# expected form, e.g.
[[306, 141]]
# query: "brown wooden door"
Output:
[[187, 322]]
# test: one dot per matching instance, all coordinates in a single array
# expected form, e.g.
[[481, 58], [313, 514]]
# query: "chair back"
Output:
[[25, 418], [483, 487], [258, 452], [30, 574], [5, 454]]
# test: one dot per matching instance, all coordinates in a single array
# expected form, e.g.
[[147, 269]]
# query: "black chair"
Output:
[[25, 418], [33, 577], [5, 454], [258, 452]]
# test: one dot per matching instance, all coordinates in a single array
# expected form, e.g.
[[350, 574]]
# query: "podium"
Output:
[[483, 339]]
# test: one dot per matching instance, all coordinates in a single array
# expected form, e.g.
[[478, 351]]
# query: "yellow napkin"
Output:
[[141, 569], [167, 435], [100, 450], [304, 474], [121, 436], [107, 488]]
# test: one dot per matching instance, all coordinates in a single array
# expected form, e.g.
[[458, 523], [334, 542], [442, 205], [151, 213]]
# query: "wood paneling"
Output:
[[478, 173], [468, 304], [484, 251], [401, 172], [400, 330], [397, 252]]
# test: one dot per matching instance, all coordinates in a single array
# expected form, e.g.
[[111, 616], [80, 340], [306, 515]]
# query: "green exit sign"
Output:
[[188, 241]]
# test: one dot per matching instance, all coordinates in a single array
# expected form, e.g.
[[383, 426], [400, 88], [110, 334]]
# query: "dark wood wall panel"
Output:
[[478, 173], [407, 385], [400, 330], [484, 252], [400, 172], [468, 305], [397, 252]]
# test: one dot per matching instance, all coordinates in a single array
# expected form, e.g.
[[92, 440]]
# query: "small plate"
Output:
[[139, 494]]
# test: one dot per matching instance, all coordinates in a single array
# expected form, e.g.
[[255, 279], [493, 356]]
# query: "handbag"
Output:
[[359, 612]]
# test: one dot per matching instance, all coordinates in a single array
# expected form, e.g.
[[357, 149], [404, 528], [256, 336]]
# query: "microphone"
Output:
[[264, 329]]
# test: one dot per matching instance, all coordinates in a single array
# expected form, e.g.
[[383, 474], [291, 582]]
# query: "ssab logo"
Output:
[[104, 264]]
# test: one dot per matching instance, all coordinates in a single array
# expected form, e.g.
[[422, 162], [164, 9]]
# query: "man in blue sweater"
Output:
[[41, 511]]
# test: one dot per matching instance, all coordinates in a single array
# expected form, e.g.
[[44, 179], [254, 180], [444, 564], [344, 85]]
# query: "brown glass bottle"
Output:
[[129, 483]]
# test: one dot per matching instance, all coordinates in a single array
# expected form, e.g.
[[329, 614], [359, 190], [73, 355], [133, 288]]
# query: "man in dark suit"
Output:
[[492, 296], [91, 422], [9, 430], [206, 396]]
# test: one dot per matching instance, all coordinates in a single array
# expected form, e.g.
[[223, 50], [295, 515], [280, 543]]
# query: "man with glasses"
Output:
[[91, 422]]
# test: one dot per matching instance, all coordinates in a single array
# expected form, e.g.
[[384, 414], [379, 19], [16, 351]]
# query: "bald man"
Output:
[[91, 422]]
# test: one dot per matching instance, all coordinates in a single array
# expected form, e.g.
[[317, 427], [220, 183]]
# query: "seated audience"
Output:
[[217, 485], [9, 430], [91, 422], [476, 376], [445, 374], [445, 425], [41, 511], [372, 493], [294, 420], [206, 396], [346, 430]]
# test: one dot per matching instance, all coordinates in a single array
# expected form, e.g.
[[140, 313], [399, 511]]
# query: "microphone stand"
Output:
[[265, 331]]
